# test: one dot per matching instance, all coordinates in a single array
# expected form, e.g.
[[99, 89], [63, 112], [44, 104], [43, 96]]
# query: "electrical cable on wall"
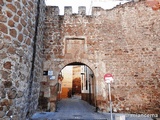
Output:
[[89, 12]]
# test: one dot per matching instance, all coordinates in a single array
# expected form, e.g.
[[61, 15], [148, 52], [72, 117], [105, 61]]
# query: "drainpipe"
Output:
[[33, 57]]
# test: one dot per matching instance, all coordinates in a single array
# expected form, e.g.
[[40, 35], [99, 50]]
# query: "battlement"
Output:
[[94, 11], [54, 10]]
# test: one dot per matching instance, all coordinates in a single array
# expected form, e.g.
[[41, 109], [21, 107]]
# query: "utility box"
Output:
[[119, 117]]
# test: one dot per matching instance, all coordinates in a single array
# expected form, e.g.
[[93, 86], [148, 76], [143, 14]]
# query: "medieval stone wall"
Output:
[[123, 41], [21, 39]]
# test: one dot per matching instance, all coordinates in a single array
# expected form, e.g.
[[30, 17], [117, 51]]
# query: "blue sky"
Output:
[[106, 4]]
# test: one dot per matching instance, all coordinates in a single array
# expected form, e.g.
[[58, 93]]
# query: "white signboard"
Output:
[[50, 73], [52, 78], [109, 80]]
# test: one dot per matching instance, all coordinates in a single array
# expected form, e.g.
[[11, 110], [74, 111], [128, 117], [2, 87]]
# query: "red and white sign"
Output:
[[108, 78]]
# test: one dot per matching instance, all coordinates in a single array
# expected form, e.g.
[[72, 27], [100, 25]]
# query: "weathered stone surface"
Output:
[[16, 18], [1, 44], [12, 94], [28, 42], [1, 87], [13, 32], [3, 18], [6, 102], [2, 94], [11, 50], [1, 2], [19, 13], [5, 75], [7, 38], [20, 37], [9, 113], [6, 118], [19, 94], [9, 0], [20, 52], [7, 84], [3, 28], [19, 27], [11, 7], [16, 117], [23, 22], [9, 14], [2, 114], [1, 108], [7, 65], [11, 23]]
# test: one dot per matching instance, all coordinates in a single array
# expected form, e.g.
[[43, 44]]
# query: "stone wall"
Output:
[[123, 41], [21, 57]]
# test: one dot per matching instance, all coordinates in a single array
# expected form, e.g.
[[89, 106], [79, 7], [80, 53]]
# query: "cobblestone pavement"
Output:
[[77, 109]]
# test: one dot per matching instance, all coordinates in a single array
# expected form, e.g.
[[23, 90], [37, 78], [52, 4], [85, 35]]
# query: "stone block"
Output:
[[13, 32], [2, 114], [7, 65], [11, 23], [7, 84], [19, 94], [68, 10], [11, 50], [12, 94], [9, 14], [3, 28], [82, 10], [11, 7], [6, 102], [3, 18], [2, 94]]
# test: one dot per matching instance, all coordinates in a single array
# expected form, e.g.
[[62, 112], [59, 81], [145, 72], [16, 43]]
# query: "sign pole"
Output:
[[108, 78], [110, 100]]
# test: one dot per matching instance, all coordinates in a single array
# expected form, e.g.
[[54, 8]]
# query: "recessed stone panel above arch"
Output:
[[75, 45]]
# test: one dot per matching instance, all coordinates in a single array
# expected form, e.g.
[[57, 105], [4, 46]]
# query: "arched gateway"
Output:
[[77, 79], [52, 85], [105, 42]]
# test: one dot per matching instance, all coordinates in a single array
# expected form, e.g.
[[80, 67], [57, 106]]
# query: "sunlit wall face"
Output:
[[67, 76]]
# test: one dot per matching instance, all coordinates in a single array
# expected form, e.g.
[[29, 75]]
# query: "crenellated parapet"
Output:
[[54, 10], [94, 11]]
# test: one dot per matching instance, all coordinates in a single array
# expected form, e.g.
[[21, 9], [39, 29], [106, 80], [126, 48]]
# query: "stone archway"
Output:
[[51, 87], [78, 79]]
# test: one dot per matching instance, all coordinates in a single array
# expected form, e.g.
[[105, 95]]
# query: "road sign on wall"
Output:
[[108, 78]]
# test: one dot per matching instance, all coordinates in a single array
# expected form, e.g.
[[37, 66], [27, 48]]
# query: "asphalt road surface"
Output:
[[72, 108], [75, 108]]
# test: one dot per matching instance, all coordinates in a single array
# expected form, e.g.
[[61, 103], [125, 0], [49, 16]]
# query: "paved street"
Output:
[[75, 108]]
